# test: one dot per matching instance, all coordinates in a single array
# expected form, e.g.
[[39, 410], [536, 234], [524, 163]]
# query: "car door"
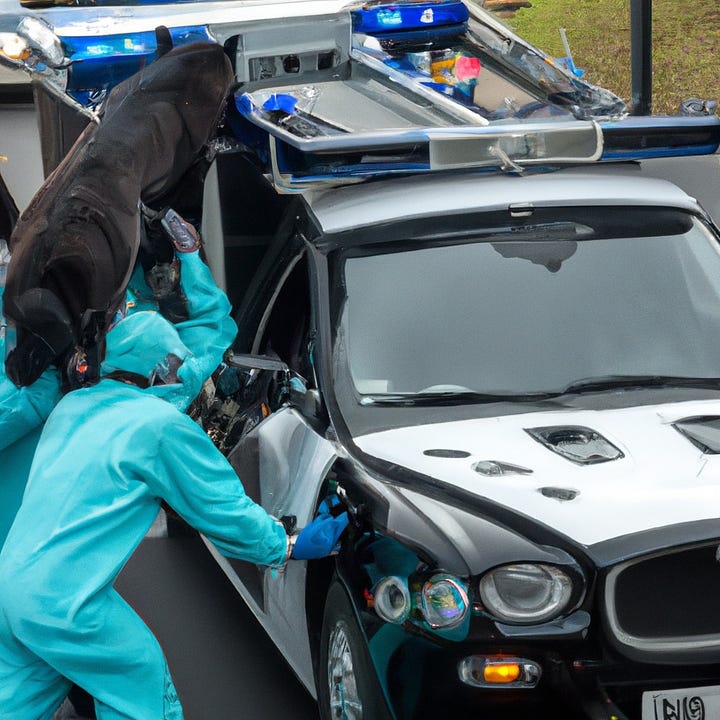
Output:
[[282, 456]]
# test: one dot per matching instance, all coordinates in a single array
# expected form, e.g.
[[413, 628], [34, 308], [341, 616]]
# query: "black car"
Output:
[[495, 348]]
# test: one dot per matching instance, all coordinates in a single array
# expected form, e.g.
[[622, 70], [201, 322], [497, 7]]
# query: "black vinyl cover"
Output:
[[74, 247]]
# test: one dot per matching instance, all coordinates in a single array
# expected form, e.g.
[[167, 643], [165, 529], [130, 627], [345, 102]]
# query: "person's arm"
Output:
[[24, 409], [209, 330], [198, 483]]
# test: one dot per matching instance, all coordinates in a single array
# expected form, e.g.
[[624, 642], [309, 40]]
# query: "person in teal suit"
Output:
[[207, 329], [109, 454]]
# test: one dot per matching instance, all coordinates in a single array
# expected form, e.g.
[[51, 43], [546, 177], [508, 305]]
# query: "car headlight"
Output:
[[13, 46], [392, 599], [525, 592], [444, 601]]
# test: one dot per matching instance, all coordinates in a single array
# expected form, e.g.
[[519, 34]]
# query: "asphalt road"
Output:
[[223, 664]]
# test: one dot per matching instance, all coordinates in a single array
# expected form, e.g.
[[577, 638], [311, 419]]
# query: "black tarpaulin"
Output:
[[74, 247]]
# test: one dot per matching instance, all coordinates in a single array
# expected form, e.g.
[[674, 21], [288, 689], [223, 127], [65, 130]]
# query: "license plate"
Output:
[[700, 703]]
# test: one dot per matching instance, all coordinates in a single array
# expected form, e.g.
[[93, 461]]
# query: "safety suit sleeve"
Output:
[[24, 409], [196, 480], [209, 330]]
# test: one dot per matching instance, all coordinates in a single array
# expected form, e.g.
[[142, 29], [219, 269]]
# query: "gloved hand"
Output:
[[320, 538], [181, 233]]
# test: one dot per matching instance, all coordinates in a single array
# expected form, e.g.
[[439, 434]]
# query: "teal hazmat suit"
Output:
[[108, 455]]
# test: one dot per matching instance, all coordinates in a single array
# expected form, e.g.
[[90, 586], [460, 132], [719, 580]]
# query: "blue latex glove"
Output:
[[320, 538]]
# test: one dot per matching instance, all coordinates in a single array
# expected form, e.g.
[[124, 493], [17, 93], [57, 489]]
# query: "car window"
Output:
[[285, 328], [533, 315]]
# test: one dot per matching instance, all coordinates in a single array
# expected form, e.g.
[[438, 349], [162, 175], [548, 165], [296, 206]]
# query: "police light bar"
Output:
[[408, 16], [354, 157], [516, 146], [640, 137], [102, 61]]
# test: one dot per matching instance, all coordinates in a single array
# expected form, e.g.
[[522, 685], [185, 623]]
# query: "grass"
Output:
[[686, 41]]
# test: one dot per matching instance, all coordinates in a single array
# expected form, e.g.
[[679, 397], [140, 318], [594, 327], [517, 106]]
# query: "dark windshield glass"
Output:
[[498, 315]]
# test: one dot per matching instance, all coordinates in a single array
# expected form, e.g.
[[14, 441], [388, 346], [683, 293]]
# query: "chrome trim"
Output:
[[530, 672]]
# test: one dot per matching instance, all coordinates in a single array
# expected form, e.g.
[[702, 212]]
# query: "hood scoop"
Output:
[[578, 444], [703, 432]]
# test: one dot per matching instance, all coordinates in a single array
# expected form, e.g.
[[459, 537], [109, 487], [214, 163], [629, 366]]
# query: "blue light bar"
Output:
[[300, 148], [101, 62], [406, 17], [640, 137]]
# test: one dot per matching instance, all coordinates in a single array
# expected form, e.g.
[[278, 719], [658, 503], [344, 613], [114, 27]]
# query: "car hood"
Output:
[[592, 475]]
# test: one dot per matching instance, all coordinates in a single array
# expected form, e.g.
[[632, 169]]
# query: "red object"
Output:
[[467, 68]]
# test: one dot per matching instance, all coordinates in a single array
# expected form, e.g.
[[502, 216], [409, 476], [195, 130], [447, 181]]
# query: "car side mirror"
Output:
[[309, 402], [258, 362], [294, 388]]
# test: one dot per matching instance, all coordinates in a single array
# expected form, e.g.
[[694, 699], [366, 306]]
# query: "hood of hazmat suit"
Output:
[[144, 346]]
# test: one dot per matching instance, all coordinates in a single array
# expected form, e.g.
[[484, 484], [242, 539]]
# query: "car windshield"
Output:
[[543, 308], [516, 79]]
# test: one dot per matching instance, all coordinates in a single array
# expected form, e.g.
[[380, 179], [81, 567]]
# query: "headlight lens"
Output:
[[444, 601], [41, 36], [13, 46], [526, 593], [392, 599]]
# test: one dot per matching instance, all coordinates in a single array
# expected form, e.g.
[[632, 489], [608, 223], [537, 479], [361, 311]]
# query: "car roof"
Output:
[[105, 19], [431, 195]]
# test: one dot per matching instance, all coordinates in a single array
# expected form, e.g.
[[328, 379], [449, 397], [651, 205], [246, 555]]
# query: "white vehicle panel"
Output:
[[357, 206], [663, 479], [89, 22], [294, 461]]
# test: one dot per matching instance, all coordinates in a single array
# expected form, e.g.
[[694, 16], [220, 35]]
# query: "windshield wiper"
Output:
[[590, 384], [452, 398], [628, 382]]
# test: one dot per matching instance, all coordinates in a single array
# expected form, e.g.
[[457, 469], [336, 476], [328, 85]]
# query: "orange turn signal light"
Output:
[[498, 673]]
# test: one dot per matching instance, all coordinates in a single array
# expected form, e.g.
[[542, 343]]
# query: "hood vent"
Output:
[[703, 432], [578, 444], [446, 453], [495, 468], [558, 493]]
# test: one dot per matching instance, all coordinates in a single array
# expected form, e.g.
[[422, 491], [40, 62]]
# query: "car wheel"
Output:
[[348, 688]]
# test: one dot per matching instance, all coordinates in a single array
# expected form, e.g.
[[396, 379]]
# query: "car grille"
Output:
[[664, 607]]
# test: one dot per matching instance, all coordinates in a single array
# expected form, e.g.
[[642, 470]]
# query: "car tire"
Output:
[[348, 688]]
